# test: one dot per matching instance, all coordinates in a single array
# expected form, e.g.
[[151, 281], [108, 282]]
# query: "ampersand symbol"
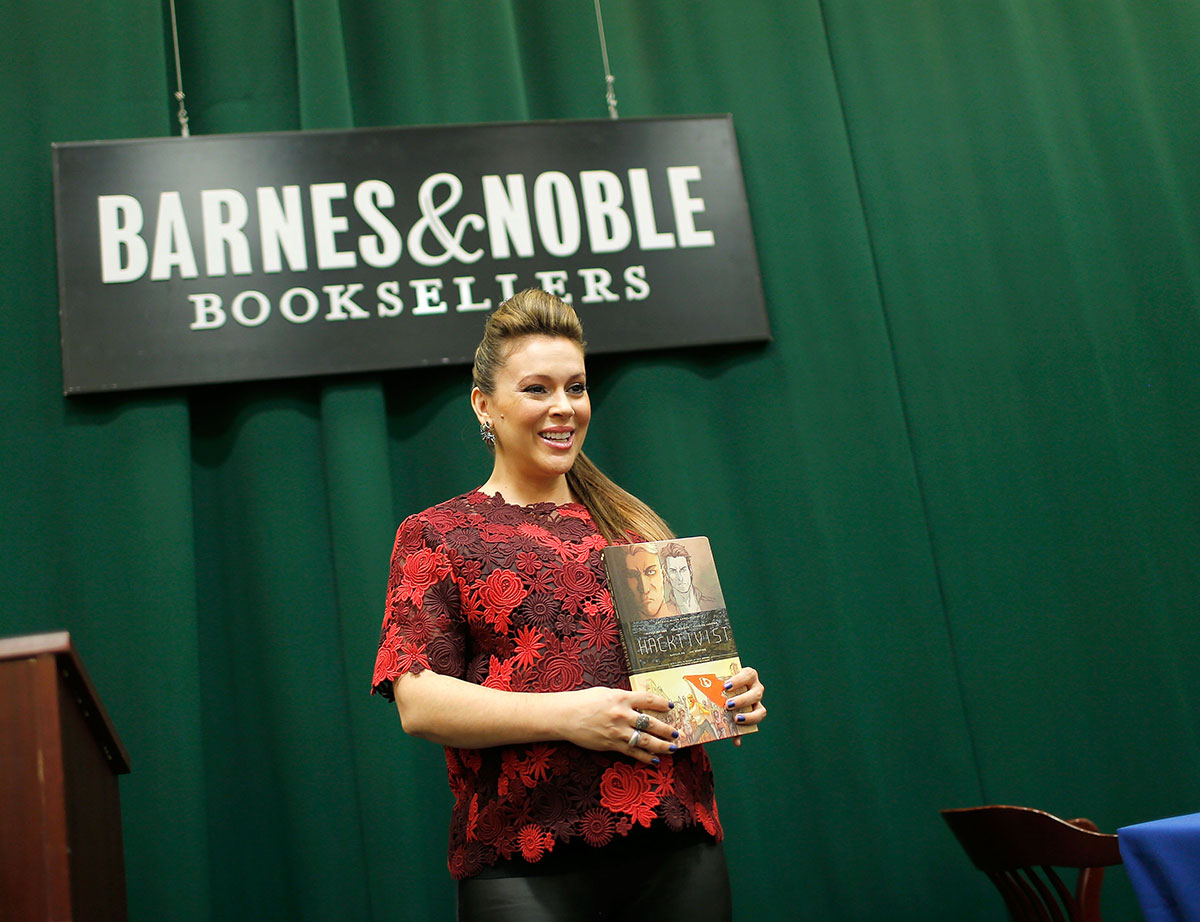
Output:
[[431, 220]]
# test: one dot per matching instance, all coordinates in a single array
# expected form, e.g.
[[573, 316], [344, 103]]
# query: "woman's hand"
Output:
[[745, 691], [615, 719]]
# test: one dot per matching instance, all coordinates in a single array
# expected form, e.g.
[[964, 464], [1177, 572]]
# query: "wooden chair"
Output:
[[1019, 848]]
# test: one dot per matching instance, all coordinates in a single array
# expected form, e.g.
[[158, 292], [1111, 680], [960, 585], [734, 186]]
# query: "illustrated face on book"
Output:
[[679, 572], [643, 576]]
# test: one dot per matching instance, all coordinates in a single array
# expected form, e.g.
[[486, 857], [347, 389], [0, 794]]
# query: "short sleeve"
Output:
[[423, 625]]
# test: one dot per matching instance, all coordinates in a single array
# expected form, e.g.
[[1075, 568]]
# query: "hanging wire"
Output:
[[610, 94], [183, 115]]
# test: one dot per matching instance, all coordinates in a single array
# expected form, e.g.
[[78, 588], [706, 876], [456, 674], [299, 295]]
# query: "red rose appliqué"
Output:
[[422, 569], [560, 672], [624, 788], [501, 592]]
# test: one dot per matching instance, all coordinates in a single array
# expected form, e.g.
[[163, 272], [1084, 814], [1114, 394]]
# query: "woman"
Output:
[[572, 797]]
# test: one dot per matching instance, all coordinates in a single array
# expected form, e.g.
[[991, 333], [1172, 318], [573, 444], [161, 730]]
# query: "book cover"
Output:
[[676, 633]]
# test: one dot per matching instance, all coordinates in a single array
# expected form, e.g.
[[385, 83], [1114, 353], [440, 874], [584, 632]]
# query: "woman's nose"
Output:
[[562, 405]]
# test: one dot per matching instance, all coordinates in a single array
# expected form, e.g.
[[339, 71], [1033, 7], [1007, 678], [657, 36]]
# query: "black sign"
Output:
[[240, 257]]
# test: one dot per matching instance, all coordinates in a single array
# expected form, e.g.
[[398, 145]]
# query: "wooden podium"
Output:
[[61, 857]]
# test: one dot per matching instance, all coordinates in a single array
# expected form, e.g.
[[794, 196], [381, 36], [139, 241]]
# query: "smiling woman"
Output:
[[538, 412], [499, 642]]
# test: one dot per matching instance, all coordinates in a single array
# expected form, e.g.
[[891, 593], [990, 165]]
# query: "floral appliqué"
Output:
[[516, 598]]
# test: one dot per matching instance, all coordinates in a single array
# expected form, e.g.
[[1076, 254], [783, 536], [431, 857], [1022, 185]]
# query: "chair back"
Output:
[[1018, 848]]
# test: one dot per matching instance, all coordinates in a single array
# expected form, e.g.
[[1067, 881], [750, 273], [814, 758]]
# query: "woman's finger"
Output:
[[647, 701], [653, 731], [745, 678], [746, 698], [645, 747], [751, 717]]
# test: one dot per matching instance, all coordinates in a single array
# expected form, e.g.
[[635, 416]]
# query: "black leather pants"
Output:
[[689, 884]]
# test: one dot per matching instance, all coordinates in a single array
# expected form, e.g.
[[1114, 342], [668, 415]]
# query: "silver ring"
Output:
[[642, 723], [635, 739]]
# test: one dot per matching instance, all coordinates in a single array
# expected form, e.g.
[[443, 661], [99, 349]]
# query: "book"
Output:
[[676, 633]]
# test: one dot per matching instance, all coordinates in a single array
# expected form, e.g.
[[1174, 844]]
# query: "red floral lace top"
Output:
[[515, 598]]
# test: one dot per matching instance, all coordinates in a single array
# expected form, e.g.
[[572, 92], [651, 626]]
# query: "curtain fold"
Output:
[[321, 65], [1043, 309], [953, 503]]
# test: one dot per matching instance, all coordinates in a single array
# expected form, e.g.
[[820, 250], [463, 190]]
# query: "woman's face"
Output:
[[540, 408]]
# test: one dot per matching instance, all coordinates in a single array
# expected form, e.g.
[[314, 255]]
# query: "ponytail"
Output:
[[621, 517]]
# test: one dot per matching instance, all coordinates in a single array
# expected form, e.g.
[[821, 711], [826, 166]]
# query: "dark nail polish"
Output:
[[672, 748], [654, 761], [741, 718], [728, 685], [670, 704], [674, 734], [730, 705]]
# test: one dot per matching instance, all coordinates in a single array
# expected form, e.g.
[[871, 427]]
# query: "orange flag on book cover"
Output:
[[710, 686]]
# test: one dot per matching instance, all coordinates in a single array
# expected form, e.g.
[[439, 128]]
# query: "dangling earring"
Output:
[[487, 434]]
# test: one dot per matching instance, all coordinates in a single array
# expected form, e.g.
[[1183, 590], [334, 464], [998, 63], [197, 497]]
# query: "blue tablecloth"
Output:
[[1163, 861]]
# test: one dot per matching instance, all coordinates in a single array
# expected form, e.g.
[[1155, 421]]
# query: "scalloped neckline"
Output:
[[499, 499]]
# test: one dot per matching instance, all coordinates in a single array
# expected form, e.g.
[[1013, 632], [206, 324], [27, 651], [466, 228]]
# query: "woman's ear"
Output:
[[479, 403]]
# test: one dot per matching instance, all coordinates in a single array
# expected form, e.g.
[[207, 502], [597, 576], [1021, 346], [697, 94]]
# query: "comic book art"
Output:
[[676, 632]]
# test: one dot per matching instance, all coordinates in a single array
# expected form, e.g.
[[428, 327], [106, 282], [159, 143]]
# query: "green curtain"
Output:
[[955, 503]]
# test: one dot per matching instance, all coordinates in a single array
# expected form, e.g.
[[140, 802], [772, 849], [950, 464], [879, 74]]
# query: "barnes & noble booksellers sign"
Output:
[[242, 257]]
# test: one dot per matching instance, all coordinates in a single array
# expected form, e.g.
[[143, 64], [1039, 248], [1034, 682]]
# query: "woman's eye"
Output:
[[574, 390]]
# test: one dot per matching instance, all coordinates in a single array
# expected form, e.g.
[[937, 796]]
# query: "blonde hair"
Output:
[[619, 515]]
